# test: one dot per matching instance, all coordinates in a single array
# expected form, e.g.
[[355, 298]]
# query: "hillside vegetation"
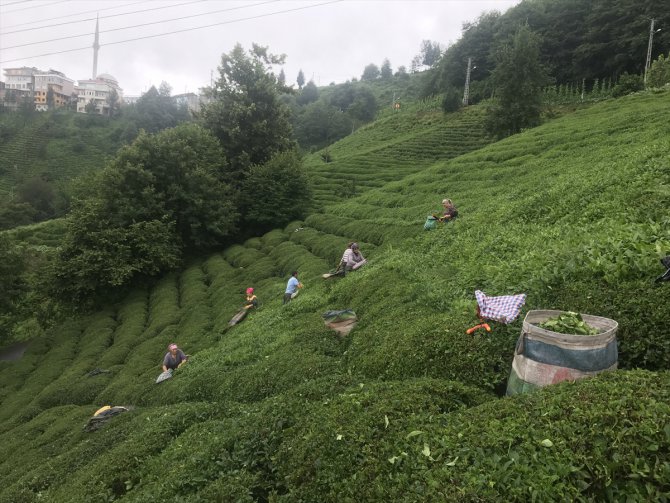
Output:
[[407, 407], [398, 144], [57, 146]]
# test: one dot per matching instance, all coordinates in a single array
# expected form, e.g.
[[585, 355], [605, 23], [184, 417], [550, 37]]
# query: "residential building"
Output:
[[19, 84], [98, 92], [26, 84], [130, 100], [190, 100], [20, 78], [61, 87]]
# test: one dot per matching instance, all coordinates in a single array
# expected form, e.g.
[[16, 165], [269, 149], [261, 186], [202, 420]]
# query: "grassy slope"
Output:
[[572, 213]]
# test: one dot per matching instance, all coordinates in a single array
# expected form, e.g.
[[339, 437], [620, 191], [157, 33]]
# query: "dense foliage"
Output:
[[245, 113], [519, 80], [275, 193], [41, 153], [161, 195], [581, 39]]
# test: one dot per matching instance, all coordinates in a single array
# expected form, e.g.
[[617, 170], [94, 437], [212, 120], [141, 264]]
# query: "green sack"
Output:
[[431, 223]]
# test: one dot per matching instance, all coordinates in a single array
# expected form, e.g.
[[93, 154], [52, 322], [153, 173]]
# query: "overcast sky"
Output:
[[331, 41]]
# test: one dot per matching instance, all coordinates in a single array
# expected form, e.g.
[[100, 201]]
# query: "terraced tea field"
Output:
[[393, 147], [59, 147], [407, 407]]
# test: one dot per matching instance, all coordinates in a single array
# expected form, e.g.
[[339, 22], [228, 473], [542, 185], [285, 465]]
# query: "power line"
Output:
[[245, 6], [175, 31], [105, 17], [35, 6], [12, 3], [70, 15]]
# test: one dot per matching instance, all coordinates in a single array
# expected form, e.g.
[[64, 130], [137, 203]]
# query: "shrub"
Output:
[[627, 84]]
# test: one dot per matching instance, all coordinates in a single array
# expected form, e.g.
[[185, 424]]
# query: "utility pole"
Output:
[[466, 92], [651, 42]]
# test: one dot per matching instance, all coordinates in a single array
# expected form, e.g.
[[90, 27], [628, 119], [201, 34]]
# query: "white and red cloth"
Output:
[[504, 309]]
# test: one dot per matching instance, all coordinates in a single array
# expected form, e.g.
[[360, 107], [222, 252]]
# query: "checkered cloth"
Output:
[[504, 308]]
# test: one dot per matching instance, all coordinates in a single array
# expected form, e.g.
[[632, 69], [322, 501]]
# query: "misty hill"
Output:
[[407, 406]]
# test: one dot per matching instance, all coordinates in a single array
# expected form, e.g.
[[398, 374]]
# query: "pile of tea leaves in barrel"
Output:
[[569, 323]]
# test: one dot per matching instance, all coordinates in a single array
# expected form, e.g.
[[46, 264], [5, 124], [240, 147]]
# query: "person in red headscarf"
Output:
[[252, 300]]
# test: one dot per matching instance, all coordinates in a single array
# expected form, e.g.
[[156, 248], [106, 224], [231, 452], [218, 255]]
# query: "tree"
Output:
[[519, 79], [386, 71], [343, 96], [402, 72], [246, 113], [320, 124], [162, 195], [39, 193], [659, 72], [430, 53], [280, 184], [156, 110], [452, 100], [371, 72], [301, 79], [91, 107], [309, 94], [51, 102], [165, 89], [12, 267], [112, 103], [281, 79], [364, 106], [15, 213], [627, 84]]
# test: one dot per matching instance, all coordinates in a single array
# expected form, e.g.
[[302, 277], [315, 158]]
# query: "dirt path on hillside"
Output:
[[13, 352]]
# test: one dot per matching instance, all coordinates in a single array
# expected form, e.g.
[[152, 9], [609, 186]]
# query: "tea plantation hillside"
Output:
[[407, 407], [400, 143], [57, 146]]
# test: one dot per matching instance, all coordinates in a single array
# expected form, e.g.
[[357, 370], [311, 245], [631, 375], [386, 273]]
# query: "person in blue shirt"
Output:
[[292, 287]]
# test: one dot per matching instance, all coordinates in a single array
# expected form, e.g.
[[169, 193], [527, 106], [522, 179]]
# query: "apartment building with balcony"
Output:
[[97, 92], [62, 89]]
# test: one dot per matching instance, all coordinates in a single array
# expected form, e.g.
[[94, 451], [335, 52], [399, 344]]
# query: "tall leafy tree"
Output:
[[12, 268], [156, 110], [90, 107], [430, 53], [309, 94], [659, 72], [113, 103], [519, 79], [160, 196], [51, 102], [246, 113], [371, 72], [320, 124], [386, 70], [280, 184], [301, 79], [364, 106]]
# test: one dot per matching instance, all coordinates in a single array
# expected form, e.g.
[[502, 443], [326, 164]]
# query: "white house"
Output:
[[97, 91]]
